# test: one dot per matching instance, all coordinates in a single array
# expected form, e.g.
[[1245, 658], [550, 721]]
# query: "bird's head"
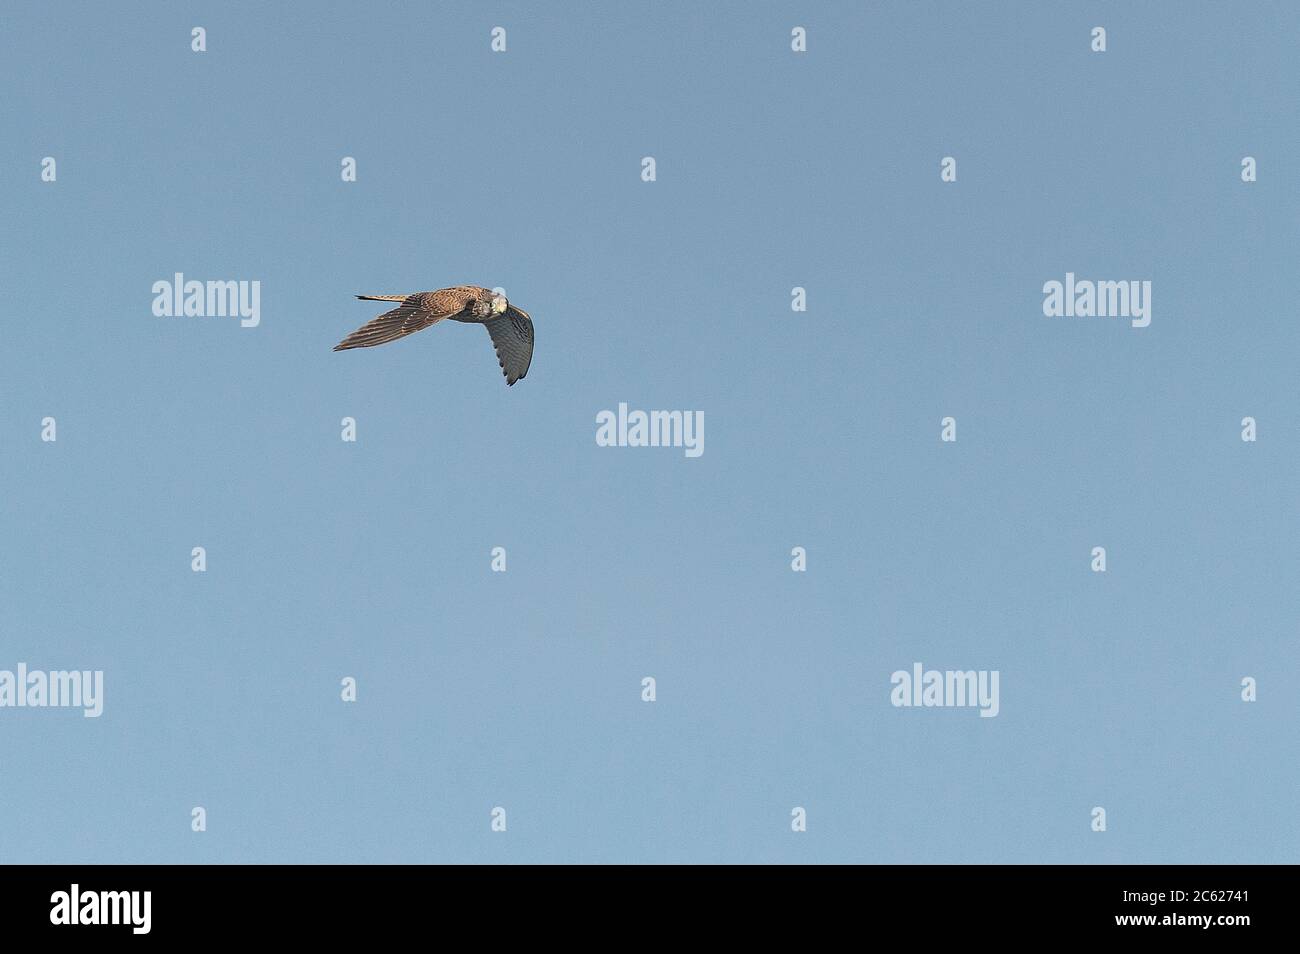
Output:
[[499, 304]]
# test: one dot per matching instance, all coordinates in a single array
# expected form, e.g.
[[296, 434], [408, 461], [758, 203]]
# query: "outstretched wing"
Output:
[[415, 313], [512, 336]]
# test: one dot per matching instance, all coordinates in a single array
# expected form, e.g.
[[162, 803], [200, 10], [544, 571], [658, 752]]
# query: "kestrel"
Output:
[[511, 328]]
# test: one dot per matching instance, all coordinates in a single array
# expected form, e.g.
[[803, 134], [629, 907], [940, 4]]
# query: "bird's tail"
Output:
[[382, 297]]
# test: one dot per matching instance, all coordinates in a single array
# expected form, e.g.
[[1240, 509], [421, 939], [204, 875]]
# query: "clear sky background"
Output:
[[371, 559]]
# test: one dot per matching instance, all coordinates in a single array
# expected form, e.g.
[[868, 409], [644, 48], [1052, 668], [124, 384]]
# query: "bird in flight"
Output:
[[511, 328]]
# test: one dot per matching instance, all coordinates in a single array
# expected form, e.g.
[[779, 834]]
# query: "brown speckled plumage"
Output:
[[511, 328]]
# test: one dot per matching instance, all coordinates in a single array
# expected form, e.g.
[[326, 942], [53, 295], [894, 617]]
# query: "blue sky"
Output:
[[523, 689]]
